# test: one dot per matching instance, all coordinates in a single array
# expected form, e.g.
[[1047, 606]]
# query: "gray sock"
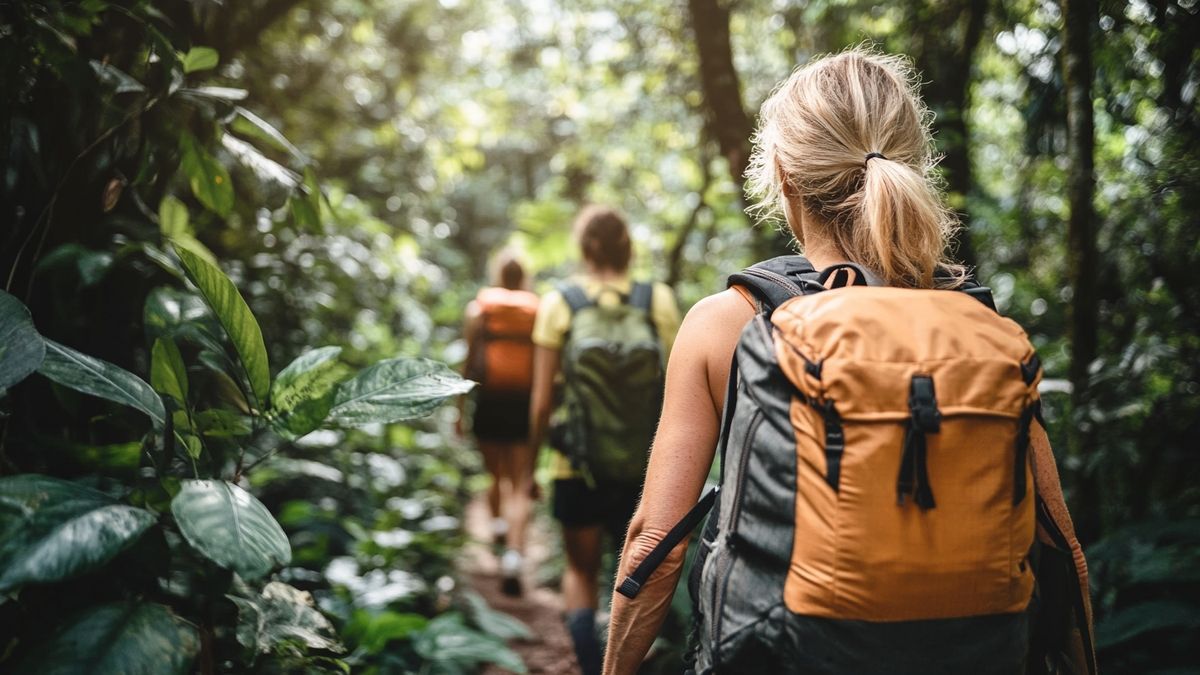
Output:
[[581, 624]]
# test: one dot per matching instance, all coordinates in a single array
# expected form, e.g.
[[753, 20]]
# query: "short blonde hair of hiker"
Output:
[[847, 137]]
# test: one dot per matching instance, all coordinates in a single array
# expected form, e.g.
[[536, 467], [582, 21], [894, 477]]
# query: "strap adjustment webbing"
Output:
[[632, 584], [924, 418]]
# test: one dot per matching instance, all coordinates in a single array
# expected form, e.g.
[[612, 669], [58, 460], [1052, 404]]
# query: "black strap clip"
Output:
[[835, 444], [924, 418]]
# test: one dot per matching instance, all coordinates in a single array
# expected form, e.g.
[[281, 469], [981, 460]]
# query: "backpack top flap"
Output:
[[861, 346], [507, 313]]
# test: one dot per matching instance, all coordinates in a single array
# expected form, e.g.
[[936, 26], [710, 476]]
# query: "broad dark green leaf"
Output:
[[200, 58], [122, 638], [395, 390], [235, 316], [173, 218], [282, 614], [168, 375], [303, 392], [21, 347], [374, 630], [230, 527], [92, 376], [52, 529], [208, 178]]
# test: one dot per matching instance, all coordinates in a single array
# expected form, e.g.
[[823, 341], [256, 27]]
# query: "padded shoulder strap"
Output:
[[777, 280], [641, 296], [575, 297]]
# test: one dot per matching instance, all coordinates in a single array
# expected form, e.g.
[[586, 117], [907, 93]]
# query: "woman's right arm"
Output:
[[697, 373]]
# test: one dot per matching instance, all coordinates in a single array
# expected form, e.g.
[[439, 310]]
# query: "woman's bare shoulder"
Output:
[[726, 311]]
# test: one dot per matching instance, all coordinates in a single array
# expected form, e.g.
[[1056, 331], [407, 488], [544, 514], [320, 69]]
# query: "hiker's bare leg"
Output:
[[518, 467], [492, 461], [582, 546]]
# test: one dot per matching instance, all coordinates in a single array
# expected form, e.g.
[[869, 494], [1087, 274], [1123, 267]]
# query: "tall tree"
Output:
[[1079, 16], [944, 51], [728, 122]]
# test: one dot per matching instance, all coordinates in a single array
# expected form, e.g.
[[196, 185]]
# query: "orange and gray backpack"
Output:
[[502, 359], [877, 511]]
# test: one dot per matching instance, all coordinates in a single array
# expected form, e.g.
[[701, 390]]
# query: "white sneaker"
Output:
[[510, 572]]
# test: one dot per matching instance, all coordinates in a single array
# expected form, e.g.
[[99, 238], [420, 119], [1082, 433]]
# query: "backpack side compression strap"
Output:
[[633, 583]]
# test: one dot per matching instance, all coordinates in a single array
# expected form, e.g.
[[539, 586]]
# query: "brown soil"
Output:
[[540, 608]]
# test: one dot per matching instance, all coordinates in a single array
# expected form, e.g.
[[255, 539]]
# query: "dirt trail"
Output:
[[540, 608]]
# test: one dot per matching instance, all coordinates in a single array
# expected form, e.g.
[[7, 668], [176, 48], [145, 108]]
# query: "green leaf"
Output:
[[303, 392], [168, 375], [21, 347], [373, 631], [120, 81], [235, 316], [251, 125], [447, 642], [200, 58], [497, 624], [226, 94], [208, 178], [92, 376], [173, 218], [52, 529], [230, 527], [1130, 622], [282, 614], [395, 390], [218, 423], [119, 638]]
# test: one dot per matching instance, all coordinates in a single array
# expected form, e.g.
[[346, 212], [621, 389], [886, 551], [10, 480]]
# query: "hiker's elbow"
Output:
[[641, 542]]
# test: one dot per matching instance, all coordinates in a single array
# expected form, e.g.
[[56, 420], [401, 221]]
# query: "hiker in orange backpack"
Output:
[[607, 335], [498, 330], [889, 502]]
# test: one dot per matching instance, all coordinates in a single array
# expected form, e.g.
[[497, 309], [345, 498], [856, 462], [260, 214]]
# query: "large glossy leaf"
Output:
[[121, 638], [52, 529], [167, 371], [282, 614], [92, 376], [253, 126], [230, 527], [395, 390], [173, 217], [235, 316], [208, 178], [303, 392], [21, 348]]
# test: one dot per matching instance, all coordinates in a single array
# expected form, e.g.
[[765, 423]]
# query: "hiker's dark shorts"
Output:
[[501, 419], [577, 505]]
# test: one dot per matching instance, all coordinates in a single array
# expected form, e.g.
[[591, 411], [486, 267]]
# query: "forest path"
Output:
[[540, 608]]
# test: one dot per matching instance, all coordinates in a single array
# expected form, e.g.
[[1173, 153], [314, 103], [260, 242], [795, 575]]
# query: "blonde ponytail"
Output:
[[847, 137]]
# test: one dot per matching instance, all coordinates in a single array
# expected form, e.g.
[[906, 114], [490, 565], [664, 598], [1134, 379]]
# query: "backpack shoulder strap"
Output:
[[775, 281], [575, 297], [641, 296]]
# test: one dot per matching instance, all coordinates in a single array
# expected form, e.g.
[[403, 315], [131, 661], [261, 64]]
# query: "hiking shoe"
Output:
[[510, 571]]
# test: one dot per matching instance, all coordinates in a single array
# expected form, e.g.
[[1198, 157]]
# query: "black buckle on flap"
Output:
[[924, 418]]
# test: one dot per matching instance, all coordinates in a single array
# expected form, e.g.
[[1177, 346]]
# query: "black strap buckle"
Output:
[[924, 418]]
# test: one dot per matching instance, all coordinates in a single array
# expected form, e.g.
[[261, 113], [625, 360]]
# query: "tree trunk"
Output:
[[1079, 16], [945, 54], [727, 121]]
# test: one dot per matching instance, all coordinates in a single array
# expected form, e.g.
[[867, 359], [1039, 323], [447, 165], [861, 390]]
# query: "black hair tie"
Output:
[[873, 155]]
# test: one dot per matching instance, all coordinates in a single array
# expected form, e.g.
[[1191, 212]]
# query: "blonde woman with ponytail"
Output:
[[844, 155]]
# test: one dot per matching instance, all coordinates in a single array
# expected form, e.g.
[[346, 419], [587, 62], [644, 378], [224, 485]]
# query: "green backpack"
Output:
[[612, 365]]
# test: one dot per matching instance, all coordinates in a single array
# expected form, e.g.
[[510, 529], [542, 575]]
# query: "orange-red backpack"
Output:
[[503, 353]]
